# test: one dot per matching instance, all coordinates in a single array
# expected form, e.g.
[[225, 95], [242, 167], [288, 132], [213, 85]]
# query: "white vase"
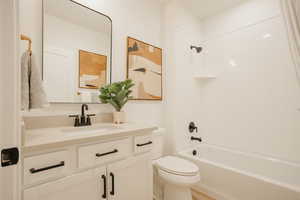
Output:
[[118, 117]]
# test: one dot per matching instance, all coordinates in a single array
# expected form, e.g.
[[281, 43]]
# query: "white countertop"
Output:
[[38, 139]]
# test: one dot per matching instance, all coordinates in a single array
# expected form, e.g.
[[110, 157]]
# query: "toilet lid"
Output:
[[177, 165]]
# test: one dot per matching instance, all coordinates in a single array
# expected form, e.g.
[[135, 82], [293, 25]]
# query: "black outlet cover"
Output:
[[9, 157]]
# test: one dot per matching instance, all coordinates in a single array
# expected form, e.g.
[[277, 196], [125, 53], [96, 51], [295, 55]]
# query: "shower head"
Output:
[[198, 49]]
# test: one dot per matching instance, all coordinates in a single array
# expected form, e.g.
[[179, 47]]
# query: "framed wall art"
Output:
[[144, 67]]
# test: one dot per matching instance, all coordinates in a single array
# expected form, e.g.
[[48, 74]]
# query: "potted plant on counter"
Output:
[[117, 94]]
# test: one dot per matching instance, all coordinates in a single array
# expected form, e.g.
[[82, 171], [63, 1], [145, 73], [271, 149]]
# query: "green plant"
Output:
[[117, 94]]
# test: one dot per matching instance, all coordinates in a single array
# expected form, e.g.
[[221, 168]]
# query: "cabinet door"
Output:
[[131, 179], [88, 185]]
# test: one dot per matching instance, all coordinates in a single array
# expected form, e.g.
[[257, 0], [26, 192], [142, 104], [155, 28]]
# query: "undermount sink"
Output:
[[89, 129]]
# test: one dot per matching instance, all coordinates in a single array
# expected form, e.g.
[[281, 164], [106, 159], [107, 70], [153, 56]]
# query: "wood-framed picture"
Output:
[[144, 68], [92, 70]]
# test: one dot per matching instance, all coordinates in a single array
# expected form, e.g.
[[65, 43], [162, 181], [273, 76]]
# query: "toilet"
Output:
[[177, 176]]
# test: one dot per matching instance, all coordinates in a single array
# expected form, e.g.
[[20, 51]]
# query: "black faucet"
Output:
[[85, 120], [196, 138], [83, 117]]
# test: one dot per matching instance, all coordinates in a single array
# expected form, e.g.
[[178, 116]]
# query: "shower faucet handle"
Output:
[[193, 127]]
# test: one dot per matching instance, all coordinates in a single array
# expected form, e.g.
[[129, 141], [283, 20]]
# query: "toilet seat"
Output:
[[177, 166]]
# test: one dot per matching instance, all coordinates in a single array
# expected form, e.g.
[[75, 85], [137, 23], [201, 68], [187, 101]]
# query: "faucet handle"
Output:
[[88, 120], [192, 127], [76, 123]]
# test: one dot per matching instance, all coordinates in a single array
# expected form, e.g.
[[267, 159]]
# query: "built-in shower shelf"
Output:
[[204, 76]]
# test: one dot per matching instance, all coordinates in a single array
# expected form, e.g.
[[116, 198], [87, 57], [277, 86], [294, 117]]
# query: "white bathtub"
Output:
[[232, 175]]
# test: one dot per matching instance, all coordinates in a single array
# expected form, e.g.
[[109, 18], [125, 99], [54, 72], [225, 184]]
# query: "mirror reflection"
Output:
[[76, 52]]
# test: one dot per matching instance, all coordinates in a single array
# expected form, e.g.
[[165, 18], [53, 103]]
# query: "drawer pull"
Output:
[[33, 170], [112, 192], [104, 186], [105, 154], [145, 144]]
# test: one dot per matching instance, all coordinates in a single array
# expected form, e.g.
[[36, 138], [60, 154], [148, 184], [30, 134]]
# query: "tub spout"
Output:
[[197, 139]]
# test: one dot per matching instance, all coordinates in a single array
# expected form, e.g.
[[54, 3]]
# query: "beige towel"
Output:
[[33, 94]]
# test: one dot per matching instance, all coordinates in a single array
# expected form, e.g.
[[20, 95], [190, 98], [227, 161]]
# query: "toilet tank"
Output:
[[158, 143]]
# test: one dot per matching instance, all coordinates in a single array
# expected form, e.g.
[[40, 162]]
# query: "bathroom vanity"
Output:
[[103, 161]]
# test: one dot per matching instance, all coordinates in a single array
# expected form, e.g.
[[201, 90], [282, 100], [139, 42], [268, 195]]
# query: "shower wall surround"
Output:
[[253, 104], [141, 24], [250, 108]]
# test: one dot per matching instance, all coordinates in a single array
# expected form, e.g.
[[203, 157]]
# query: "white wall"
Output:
[[135, 18], [180, 31], [252, 105]]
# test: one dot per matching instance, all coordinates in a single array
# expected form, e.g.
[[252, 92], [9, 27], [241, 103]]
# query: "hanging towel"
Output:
[[33, 94]]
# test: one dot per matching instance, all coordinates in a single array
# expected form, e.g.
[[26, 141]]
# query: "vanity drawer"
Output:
[[143, 143], [46, 166], [105, 152]]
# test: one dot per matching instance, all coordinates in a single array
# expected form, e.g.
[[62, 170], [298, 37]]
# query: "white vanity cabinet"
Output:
[[131, 179], [119, 169]]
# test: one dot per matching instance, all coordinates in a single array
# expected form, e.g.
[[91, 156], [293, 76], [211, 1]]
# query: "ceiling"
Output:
[[204, 8]]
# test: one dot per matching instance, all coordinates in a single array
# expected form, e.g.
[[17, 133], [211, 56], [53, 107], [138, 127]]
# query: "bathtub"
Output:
[[231, 175]]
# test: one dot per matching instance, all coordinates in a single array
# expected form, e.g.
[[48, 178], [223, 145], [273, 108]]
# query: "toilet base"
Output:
[[173, 192]]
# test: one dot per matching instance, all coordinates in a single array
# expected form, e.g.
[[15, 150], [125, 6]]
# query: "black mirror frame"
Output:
[[111, 37]]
